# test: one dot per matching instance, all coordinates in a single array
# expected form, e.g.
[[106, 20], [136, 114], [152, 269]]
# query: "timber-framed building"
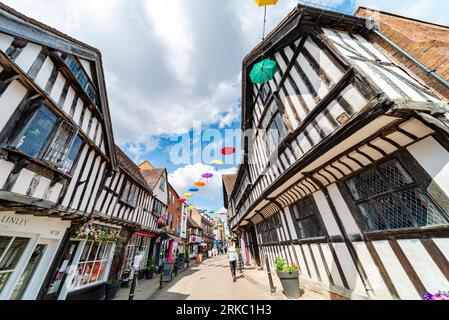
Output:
[[351, 182], [61, 174]]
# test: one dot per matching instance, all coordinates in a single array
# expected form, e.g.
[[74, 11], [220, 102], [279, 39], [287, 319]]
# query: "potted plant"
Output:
[[289, 276], [125, 280], [149, 271]]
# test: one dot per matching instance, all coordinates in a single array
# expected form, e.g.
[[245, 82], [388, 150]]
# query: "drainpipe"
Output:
[[373, 27]]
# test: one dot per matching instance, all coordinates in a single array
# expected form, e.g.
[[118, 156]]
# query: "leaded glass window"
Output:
[[307, 221], [387, 197]]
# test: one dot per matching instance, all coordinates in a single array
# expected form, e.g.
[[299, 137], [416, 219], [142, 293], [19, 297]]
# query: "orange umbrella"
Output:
[[199, 184]]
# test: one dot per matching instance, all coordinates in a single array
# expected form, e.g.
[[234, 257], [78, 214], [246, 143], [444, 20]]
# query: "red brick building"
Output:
[[425, 41]]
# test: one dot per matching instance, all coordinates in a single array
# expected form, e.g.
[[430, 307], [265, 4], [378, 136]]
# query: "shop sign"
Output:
[[48, 228]]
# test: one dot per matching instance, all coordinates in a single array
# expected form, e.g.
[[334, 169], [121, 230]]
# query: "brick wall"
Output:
[[426, 42]]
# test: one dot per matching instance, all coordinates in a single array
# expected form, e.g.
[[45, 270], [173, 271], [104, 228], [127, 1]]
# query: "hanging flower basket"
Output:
[[97, 233]]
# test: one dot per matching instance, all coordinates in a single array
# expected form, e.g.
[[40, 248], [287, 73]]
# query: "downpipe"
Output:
[[373, 27]]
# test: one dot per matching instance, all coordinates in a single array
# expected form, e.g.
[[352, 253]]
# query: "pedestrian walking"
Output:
[[232, 256]]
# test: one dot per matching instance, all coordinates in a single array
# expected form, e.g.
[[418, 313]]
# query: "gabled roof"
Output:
[[152, 176], [19, 25], [228, 183], [126, 164], [192, 224]]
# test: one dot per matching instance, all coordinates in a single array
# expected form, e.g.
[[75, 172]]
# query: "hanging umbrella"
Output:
[[187, 195], [192, 207], [207, 175], [194, 190], [263, 3], [226, 151], [218, 162], [182, 200], [263, 71], [199, 184]]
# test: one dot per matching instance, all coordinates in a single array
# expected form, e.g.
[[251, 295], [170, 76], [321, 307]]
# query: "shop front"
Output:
[[195, 247], [140, 242], [28, 245], [86, 261]]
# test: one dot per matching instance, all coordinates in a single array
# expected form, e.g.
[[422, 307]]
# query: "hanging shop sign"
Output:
[[146, 235]]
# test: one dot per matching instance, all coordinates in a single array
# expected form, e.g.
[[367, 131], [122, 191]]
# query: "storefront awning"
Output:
[[146, 235]]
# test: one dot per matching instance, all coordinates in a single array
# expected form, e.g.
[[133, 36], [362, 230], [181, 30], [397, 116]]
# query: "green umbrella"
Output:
[[263, 71]]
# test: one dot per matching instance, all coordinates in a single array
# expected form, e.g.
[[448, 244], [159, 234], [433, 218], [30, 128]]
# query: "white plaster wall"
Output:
[[28, 56], [398, 276], [5, 169], [434, 159], [10, 100], [23, 181], [57, 88], [326, 214], [343, 211], [347, 264], [44, 74], [5, 41]]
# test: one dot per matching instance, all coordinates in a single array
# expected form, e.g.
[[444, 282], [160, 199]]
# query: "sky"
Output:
[[173, 71]]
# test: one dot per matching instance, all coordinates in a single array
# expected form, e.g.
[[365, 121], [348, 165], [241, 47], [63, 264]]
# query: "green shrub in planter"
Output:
[[149, 271], [289, 276]]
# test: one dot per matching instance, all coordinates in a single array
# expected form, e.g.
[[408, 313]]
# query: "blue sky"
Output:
[[170, 64]]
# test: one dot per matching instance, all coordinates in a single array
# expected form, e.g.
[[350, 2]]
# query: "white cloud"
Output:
[[183, 179]]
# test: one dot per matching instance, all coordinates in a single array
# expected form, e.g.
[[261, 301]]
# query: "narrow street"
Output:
[[212, 281]]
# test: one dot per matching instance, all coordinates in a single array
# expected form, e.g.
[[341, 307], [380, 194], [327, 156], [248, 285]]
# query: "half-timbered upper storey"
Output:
[[330, 81], [55, 130], [126, 198]]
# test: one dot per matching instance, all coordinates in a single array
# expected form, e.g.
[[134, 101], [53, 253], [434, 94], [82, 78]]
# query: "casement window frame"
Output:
[[88, 87], [25, 121], [164, 181], [421, 180], [316, 213], [133, 192]]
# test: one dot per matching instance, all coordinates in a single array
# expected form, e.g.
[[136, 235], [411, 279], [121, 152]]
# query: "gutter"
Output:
[[373, 27]]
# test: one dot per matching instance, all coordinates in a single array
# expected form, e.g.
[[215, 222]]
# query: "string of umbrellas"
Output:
[[199, 185]]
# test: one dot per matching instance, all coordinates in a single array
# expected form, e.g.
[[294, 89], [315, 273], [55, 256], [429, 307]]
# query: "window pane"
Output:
[[37, 132], [3, 279], [367, 185], [394, 213], [27, 274], [61, 144], [86, 251], [94, 251], [396, 174], [4, 241], [372, 218], [126, 191], [72, 155], [13, 254], [422, 208]]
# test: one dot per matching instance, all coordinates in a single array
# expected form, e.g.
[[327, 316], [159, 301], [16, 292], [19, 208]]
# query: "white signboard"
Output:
[[48, 228]]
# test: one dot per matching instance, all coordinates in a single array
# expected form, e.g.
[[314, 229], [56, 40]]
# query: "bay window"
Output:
[[47, 138], [93, 265]]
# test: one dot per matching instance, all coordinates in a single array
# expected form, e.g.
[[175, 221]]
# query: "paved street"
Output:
[[212, 280]]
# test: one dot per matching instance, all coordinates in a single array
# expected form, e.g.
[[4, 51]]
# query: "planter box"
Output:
[[111, 291], [290, 283], [149, 274]]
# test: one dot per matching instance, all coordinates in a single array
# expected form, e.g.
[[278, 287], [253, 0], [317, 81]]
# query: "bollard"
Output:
[[270, 277], [133, 286], [161, 285]]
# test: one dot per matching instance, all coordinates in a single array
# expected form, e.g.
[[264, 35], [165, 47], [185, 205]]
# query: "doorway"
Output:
[[254, 245]]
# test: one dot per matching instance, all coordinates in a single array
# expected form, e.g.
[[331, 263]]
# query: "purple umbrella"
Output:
[[207, 175]]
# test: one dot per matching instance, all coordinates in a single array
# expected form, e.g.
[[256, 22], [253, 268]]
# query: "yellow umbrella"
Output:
[[192, 207], [187, 195], [263, 3], [217, 162]]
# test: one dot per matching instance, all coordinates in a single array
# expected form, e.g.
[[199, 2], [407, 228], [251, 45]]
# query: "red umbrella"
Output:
[[182, 200], [226, 151]]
